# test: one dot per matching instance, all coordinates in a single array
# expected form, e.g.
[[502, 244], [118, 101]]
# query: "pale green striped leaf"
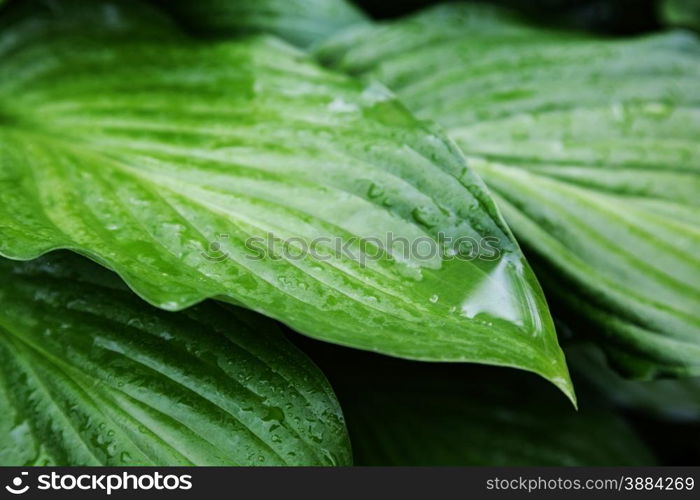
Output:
[[91, 375], [301, 22], [590, 148], [163, 159]]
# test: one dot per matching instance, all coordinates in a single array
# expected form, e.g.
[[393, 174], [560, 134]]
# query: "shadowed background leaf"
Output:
[[401, 413], [606, 16], [676, 400], [301, 22]]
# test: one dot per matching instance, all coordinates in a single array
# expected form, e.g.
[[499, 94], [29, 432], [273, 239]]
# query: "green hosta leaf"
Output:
[[590, 149], [406, 414], [676, 400], [175, 163], [301, 22], [90, 375]]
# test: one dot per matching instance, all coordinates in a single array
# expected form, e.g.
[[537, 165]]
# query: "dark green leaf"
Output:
[[165, 160], [674, 400], [590, 148], [410, 414], [91, 375], [685, 13]]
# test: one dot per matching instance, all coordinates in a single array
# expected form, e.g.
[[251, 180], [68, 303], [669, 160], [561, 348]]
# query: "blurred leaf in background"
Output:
[[237, 170], [617, 17], [301, 22], [684, 13], [666, 411]]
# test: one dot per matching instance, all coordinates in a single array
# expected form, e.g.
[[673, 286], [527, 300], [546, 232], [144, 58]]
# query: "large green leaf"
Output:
[[411, 414], [590, 149], [163, 159], [90, 374], [301, 22]]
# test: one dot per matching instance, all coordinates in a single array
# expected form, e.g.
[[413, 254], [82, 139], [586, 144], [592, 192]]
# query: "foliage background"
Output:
[[665, 414]]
